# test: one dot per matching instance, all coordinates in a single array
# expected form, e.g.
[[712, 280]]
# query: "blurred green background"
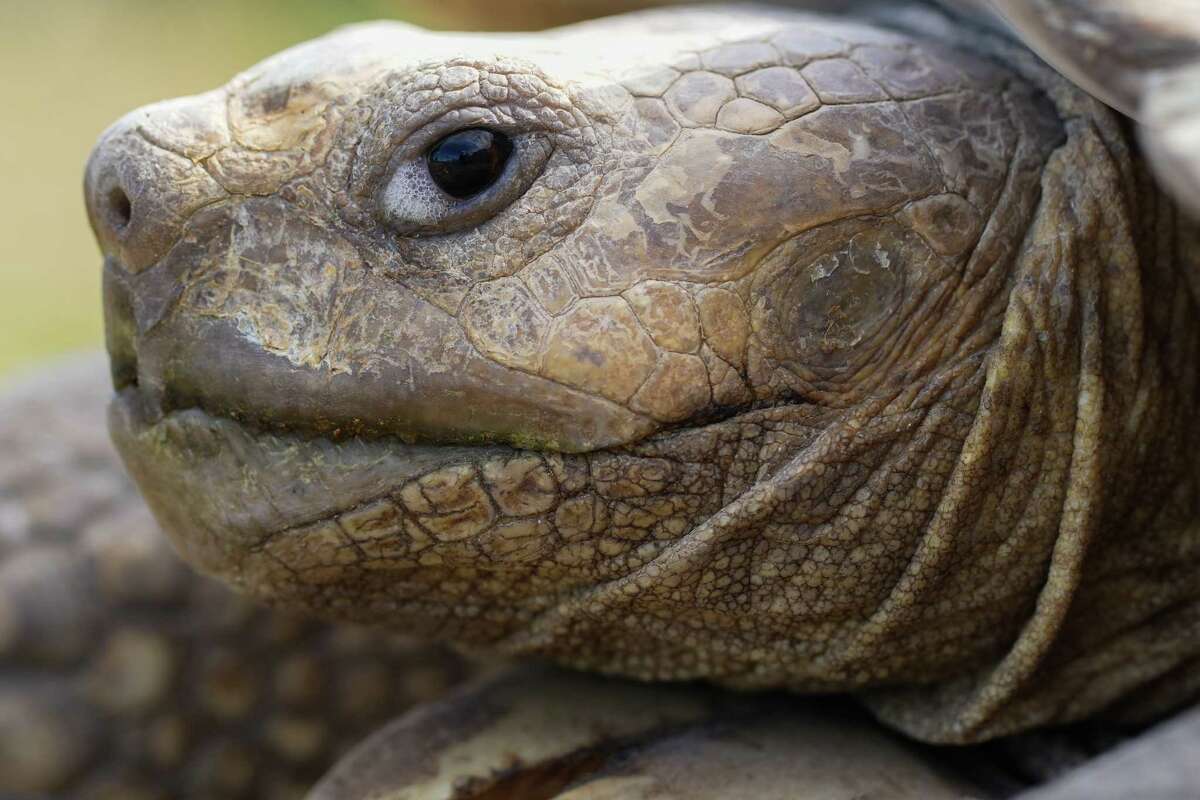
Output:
[[73, 66]]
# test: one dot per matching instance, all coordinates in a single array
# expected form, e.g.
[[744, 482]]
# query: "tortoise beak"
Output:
[[143, 180], [119, 326]]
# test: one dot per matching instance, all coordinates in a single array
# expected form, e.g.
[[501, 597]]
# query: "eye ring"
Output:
[[468, 161]]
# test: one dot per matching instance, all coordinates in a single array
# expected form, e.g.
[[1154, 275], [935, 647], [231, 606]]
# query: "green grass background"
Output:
[[73, 66]]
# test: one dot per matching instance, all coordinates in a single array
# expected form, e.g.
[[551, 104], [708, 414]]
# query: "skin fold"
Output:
[[790, 351]]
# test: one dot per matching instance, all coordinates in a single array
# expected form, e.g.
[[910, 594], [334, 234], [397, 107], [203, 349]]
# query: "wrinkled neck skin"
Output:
[[796, 351]]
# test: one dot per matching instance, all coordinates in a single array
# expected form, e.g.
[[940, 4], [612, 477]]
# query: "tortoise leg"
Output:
[[537, 733], [123, 674]]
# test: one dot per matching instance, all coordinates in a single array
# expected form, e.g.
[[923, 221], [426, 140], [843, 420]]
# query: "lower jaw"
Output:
[[220, 488]]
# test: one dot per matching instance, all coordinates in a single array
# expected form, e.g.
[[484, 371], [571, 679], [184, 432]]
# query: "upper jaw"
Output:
[[258, 313]]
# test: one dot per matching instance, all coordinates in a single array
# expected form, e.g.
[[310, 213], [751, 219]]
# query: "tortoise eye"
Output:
[[461, 180], [467, 162]]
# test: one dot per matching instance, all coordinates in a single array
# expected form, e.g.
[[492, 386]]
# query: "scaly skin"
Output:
[[123, 674], [791, 352]]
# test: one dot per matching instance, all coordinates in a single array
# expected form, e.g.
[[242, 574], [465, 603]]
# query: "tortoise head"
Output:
[[689, 344]]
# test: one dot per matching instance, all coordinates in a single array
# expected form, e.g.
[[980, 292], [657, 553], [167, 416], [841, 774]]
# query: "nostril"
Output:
[[120, 208]]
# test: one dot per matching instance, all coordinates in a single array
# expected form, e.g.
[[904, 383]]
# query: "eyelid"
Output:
[[433, 131]]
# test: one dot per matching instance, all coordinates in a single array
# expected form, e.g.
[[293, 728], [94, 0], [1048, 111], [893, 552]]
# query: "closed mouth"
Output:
[[221, 487]]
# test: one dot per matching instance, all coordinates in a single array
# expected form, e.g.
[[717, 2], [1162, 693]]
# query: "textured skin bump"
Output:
[[123, 674], [799, 351]]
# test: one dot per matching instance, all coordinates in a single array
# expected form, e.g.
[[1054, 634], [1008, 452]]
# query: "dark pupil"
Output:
[[467, 162]]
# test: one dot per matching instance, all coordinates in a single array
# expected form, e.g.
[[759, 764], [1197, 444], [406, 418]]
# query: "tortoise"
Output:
[[774, 349]]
